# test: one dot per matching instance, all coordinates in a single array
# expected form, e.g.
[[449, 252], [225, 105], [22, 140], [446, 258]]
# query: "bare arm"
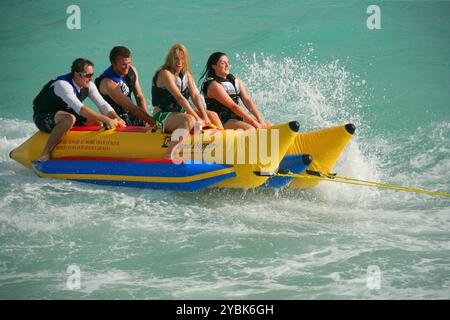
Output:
[[138, 94], [216, 91], [90, 114], [102, 105], [113, 115], [167, 81], [249, 103], [198, 101], [112, 89]]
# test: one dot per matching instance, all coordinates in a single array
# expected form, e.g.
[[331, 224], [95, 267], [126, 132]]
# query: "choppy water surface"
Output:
[[312, 62]]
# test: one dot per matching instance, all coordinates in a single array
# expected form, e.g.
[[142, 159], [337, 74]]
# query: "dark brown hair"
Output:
[[79, 64], [117, 52]]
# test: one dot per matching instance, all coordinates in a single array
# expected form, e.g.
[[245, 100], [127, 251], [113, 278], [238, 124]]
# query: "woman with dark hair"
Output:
[[222, 92]]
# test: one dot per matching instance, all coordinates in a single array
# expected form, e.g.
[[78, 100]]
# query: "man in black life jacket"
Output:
[[117, 83], [58, 105]]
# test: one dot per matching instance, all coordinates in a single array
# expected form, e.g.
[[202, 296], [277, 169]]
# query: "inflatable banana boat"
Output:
[[132, 156]]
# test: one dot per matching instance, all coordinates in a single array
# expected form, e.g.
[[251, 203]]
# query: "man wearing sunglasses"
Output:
[[116, 85], [58, 106]]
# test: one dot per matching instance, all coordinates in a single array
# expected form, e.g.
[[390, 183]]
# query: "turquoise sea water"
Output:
[[311, 61]]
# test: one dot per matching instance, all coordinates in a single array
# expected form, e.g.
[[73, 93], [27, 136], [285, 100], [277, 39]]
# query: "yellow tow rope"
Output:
[[341, 179]]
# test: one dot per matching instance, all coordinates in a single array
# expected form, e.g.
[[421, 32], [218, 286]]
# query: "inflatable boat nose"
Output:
[[294, 125], [350, 127], [307, 159]]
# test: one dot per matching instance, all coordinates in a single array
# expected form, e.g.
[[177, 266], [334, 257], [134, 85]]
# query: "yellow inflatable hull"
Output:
[[232, 147], [325, 146], [249, 154]]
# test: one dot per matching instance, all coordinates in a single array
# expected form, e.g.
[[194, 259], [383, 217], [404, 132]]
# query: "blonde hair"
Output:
[[174, 50]]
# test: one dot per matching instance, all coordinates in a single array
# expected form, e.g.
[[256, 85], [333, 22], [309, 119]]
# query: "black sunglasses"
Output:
[[86, 75]]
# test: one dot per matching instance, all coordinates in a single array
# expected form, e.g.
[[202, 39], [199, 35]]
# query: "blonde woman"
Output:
[[172, 86]]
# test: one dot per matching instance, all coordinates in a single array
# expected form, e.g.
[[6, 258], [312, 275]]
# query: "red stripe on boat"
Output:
[[133, 129], [86, 128], [119, 129]]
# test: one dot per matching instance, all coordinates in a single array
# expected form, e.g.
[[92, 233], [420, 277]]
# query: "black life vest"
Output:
[[231, 86], [162, 97], [127, 85], [48, 101]]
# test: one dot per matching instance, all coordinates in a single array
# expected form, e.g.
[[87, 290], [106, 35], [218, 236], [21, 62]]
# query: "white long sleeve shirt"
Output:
[[64, 90]]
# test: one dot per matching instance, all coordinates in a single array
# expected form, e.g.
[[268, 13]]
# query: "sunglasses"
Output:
[[86, 75]]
